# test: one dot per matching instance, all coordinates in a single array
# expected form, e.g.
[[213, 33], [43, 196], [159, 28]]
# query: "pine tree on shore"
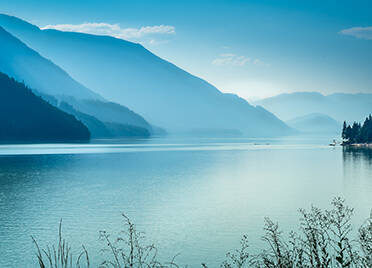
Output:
[[358, 133]]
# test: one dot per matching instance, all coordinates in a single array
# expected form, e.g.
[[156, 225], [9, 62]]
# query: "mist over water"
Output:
[[196, 197]]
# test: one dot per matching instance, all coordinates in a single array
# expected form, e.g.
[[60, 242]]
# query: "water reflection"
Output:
[[357, 162], [357, 155], [357, 170]]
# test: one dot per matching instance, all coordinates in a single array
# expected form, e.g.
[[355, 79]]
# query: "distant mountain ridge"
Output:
[[315, 123], [340, 106], [108, 112], [127, 73], [25, 117], [104, 119]]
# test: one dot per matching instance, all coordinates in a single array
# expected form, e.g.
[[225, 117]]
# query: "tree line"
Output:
[[358, 133]]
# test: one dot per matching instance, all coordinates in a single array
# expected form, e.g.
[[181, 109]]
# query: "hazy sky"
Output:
[[252, 48]]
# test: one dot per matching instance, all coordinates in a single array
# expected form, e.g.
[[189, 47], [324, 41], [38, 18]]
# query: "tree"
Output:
[[344, 127], [357, 133]]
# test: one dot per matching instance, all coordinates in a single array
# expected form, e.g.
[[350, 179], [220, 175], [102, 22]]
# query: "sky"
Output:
[[255, 49]]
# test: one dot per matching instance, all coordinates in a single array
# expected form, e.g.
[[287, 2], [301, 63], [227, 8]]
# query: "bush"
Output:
[[323, 239]]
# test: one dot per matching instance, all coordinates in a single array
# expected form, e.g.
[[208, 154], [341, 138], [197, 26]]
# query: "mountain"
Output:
[[99, 129], [340, 106], [25, 64], [25, 117], [102, 129], [47, 79], [108, 112], [127, 73], [316, 123]]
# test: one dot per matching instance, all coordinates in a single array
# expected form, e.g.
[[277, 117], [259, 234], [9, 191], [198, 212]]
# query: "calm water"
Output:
[[194, 197]]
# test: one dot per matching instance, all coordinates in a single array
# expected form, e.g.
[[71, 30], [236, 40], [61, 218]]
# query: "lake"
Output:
[[193, 197]]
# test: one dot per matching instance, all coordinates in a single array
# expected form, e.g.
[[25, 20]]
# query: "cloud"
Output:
[[261, 63], [230, 59], [147, 34], [359, 32]]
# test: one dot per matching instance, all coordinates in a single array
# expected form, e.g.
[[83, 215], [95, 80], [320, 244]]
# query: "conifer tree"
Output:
[[358, 133]]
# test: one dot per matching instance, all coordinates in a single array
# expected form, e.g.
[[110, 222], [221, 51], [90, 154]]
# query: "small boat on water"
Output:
[[334, 143]]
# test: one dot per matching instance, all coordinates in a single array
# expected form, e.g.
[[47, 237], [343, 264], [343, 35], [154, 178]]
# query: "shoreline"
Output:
[[359, 145]]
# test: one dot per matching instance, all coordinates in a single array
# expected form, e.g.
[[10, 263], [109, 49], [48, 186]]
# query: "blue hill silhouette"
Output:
[[48, 80], [340, 106], [129, 74]]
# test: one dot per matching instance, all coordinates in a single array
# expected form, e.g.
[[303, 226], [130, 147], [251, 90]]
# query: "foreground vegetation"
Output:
[[325, 238], [357, 133]]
